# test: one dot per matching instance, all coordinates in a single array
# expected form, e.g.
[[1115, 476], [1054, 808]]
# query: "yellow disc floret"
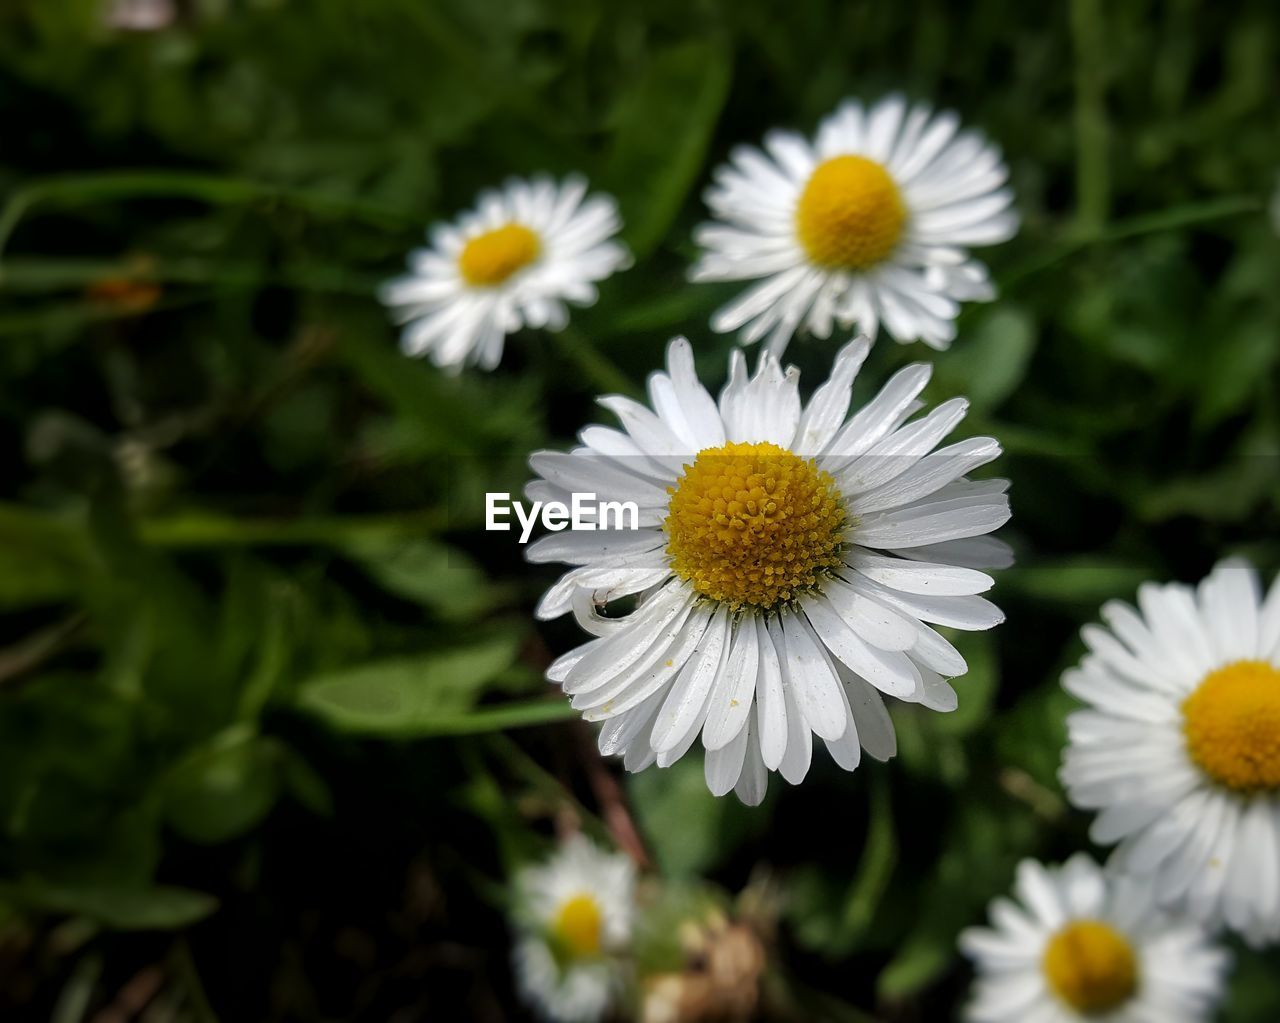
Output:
[[1232, 725], [1091, 967], [850, 214], [492, 257], [577, 926], [754, 524]]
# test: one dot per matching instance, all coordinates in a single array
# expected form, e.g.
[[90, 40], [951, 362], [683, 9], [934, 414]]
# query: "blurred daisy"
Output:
[[574, 913], [139, 15], [1180, 748], [514, 261], [866, 225], [785, 565], [1079, 944]]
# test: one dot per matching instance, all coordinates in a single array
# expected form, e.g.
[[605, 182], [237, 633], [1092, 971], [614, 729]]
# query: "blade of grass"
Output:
[[1093, 175], [207, 530], [1172, 219], [79, 189]]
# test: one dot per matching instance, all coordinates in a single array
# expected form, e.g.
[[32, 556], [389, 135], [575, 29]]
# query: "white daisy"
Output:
[[512, 262], [867, 225], [574, 915], [1180, 748], [785, 564], [1080, 944]]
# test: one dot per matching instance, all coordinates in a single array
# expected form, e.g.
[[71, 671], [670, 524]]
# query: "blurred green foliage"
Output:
[[272, 724]]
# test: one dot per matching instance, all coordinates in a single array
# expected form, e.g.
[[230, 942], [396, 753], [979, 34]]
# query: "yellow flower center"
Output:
[[850, 214], [577, 926], [492, 257], [1232, 725], [753, 524], [1090, 967]]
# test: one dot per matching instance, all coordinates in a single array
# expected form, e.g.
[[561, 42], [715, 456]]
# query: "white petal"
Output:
[[723, 766], [731, 696], [771, 704], [686, 703], [812, 679]]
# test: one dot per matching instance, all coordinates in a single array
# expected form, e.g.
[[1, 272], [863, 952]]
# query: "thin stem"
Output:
[[203, 530], [599, 370], [34, 650], [40, 275], [1093, 185], [613, 803], [1135, 227], [185, 966], [207, 188]]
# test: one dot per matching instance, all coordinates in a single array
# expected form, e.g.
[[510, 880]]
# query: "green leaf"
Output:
[[1031, 736], [989, 359], [431, 694], [925, 954], [224, 789], [41, 558], [160, 907], [831, 915], [305, 783], [1239, 365], [1253, 994], [663, 126], [976, 688], [427, 572], [1082, 581], [689, 829], [981, 845]]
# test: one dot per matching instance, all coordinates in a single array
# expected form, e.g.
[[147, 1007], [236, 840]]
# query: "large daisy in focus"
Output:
[[574, 915], [517, 260], [867, 225], [1081, 945], [788, 563], [1180, 747]]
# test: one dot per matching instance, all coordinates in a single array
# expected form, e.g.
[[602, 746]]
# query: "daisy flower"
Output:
[[866, 225], [574, 914], [1180, 746], [1080, 944], [787, 565], [514, 261]]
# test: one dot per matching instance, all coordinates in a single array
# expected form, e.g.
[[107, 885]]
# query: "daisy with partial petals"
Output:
[[1179, 749], [788, 563], [867, 225], [1081, 945], [518, 259], [574, 914]]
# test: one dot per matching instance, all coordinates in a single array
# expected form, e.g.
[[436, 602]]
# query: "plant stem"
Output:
[[598, 369], [1144, 224], [1093, 184], [73, 189], [204, 530]]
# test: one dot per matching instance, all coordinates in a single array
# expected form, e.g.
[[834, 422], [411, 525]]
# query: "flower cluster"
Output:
[[592, 945], [794, 563], [869, 223]]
